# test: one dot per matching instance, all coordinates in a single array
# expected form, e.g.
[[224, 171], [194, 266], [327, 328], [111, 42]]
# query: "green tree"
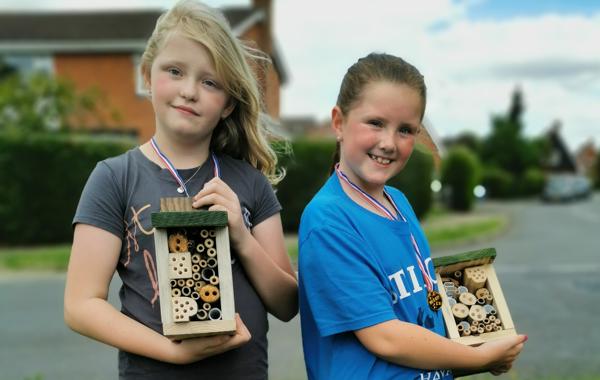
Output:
[[597, 171], [508, 151], [39, 102]]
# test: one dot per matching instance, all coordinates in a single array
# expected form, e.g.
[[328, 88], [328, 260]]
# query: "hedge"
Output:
[[308, 168], [42, 177]]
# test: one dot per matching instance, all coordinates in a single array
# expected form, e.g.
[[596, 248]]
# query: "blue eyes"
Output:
[[177, 73], [174, 71], [403, 130], [407, 131]]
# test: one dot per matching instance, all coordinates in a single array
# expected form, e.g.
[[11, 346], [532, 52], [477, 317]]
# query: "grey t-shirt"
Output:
[[120, 195]]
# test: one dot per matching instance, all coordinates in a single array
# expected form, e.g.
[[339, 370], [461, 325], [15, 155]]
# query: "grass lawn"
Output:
[[441, 227], [52, 258]]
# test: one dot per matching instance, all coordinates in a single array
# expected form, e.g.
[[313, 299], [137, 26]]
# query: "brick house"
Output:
[[586, 157], [102, 50]]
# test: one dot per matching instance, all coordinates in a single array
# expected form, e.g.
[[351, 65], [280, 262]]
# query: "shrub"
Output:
[[460, 172], [497, 182], [532, 182]]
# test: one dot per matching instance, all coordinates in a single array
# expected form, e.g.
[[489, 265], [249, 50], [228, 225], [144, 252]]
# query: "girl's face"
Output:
[[378, 134], [187, 96]]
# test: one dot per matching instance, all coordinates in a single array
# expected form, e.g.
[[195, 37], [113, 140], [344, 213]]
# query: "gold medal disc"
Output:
[[434, 300]]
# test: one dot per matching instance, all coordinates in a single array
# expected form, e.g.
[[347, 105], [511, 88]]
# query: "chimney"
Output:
[[265, 39]]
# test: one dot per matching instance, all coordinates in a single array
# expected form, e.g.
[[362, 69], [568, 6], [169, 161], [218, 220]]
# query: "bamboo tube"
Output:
[[462, 289], [211, 252], [204, 233], [212, 233], [489, 309], [212, 262], [214, 314], [189, 282], [209, 243], [202, 314], [181, 282], [200, 248], [196, 276], [175, 292], [465, 325], [207, 273]]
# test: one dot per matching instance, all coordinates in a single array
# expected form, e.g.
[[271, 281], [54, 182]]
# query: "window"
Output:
[[29, 64], [140, 88]]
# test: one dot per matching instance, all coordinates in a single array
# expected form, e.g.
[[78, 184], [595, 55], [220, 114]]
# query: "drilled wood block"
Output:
[[180, 265]]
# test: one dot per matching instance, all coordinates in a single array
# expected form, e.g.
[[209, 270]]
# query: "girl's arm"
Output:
[[411, 345], [261, 251], [94, 257]]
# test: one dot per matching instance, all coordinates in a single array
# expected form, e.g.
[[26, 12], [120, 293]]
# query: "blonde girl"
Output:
[[210, 145]]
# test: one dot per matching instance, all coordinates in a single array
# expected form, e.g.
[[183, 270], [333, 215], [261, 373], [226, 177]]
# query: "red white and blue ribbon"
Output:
[[392, 216], [173, 170]]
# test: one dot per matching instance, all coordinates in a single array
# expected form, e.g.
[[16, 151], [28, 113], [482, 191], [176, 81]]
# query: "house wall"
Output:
[[114, 76]]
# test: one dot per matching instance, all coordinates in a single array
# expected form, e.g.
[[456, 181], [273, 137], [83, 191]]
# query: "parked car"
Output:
[[566, 187]]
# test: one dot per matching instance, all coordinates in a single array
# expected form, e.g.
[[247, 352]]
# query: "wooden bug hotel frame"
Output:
[[194, 270], [473, 306]]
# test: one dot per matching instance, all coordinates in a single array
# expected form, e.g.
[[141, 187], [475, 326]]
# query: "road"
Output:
[[548, 264]]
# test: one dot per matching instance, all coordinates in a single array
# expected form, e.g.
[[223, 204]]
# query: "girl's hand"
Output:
[[192, 350], [218, 196], [502, 353]]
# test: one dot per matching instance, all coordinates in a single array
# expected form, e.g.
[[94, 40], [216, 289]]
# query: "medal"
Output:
[[175, 173], [434, 300]]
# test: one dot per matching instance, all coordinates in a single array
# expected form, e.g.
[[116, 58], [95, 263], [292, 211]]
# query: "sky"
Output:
[[473, 54]]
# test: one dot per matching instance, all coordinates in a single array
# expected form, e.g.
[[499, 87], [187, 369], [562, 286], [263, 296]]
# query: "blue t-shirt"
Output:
[[358, 269]]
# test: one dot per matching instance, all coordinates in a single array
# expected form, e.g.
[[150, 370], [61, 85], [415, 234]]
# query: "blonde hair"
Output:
[[243, 134]]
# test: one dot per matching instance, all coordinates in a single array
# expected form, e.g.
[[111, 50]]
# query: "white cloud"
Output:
[[471, 67]]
